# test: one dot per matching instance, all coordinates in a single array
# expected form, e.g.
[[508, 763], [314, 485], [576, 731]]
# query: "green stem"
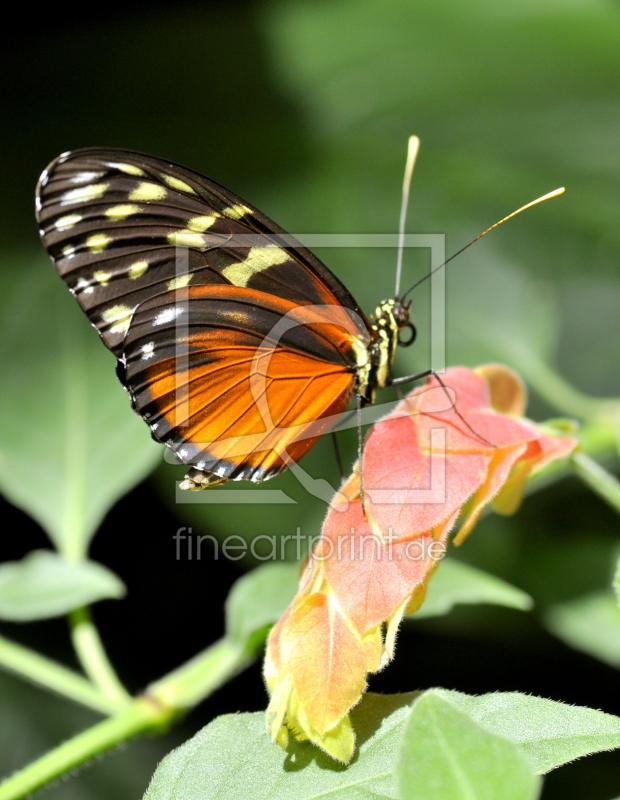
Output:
[[47, 673], [560, 394], [606, 485], [162, 702], [201, 675], [141, 715], [597, 438], [93, 657]]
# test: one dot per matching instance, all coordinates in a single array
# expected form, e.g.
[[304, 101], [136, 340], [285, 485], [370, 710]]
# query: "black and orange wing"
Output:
[[136, 239], [112, 221], [238, 382]]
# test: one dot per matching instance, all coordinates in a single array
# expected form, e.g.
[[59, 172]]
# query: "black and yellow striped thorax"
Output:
[[390, 317]]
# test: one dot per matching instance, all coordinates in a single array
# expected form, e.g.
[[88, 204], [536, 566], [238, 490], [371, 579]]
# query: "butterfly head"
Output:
[[390, 318]]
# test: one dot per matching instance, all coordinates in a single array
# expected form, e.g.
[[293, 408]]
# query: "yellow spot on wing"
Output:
[[146, 191], [201, 224], [119, 317], [83, 194], [64, 223], [236, 212], [138, 269], [258, 259], [102, 277], [177, 184], [98, 242], [122, 212], [187, 239], [180, 282], [128, 169]]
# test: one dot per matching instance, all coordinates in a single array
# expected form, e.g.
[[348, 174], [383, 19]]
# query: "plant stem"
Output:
[[560, 394], [201, 675], [140, 715], [603, 483], [93, 657], [45, 672], [155, 710]]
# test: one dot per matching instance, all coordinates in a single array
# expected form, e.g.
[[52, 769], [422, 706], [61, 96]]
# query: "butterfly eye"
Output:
[[412, 335]]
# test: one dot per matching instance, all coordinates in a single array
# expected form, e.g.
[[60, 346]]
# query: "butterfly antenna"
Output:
[[412, 152], [548, 196]]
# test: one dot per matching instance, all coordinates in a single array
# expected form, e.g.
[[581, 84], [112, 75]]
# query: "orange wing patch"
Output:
[[247, 390], [254, 407]]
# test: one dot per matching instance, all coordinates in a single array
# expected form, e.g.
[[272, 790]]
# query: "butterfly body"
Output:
[[237, 346]]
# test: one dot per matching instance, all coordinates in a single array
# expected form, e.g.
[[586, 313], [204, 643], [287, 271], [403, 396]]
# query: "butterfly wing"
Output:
[[238, 382], [184, 281], [112, 220]]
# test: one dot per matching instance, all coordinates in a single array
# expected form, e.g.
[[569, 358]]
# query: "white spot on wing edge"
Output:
[[147, 350], [83, 194], [84, 177], [84, 286], [168, 315], [128, 169], [68, 221]]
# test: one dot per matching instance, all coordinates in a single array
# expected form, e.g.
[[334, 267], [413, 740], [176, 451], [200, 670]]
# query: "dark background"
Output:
[[304, 109]]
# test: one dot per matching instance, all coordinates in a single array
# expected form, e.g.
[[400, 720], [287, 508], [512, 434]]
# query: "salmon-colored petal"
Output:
[[499, 469], [537, 454], [408, 491], [369, 577]]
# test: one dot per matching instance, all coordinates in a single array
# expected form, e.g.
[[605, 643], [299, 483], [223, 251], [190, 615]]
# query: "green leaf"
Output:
[[616, 583], [70, 443], [44, 585], [455, 582], [590, 623], [258, 600], [233, 758], [446, 755], [549, 733]]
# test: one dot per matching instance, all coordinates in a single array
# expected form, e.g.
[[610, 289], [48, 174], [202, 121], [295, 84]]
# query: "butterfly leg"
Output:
[[426, 374], [359, 399]]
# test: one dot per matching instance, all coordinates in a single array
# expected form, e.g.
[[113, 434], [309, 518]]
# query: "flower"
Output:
[[446, 451]]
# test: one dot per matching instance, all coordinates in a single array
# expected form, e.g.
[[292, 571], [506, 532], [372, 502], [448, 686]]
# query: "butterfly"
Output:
[[236, 345]]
